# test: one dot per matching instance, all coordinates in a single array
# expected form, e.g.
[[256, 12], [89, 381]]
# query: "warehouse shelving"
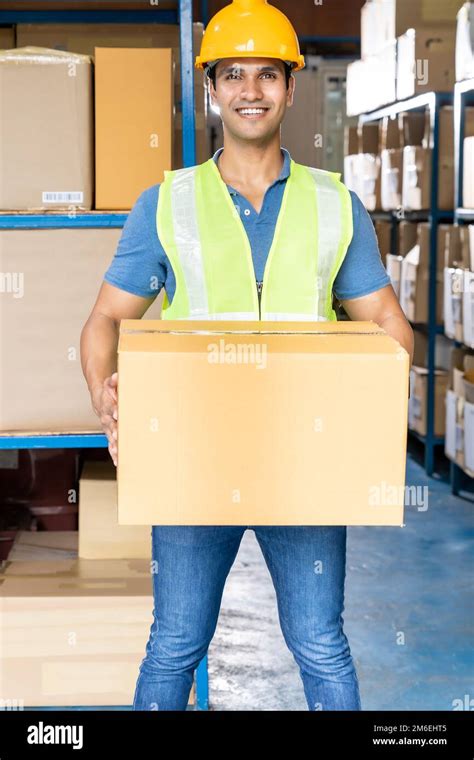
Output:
[[463, 96], [433, 101], [183, 17]]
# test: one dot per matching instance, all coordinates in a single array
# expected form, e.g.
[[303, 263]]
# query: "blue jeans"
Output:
[[191, 564]]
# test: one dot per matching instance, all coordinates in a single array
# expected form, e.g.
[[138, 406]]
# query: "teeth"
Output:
[[251, 111]]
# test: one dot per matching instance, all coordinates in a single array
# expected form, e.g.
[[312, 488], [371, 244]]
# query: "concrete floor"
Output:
[[415, 580]]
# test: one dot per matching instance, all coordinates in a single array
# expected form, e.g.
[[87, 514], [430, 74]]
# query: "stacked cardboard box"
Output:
[[73, 631], [459, 443], [41, 332]]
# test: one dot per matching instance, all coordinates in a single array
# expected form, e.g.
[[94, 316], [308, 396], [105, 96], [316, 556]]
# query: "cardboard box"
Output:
[[443, 347], [40, 333], [407, 236], [369, 138], [468, 308], [415, 276], [466, 246], [100, 535], [383, 231], [462, 369], [369, 42], [73, 631], [413, 127], [47, 139], [425, 61], [417, 408], [469, 439], [220, 385], [134, 146], [362, 175], [368, 180], [468, 173], [453, 249], [351, 140], [394, 271], [389, 133], [454, 440], [7, 38], [417, 162], [391, 178], [465, 42], [371, 82], [453, 303]]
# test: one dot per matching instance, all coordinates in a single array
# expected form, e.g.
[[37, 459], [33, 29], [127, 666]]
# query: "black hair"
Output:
[[211, 73]]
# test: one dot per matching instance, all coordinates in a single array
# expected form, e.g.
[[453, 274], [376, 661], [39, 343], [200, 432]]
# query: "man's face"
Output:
[[252, 96]]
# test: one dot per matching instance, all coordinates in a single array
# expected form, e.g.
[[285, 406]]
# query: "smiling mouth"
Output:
[[252, 113]]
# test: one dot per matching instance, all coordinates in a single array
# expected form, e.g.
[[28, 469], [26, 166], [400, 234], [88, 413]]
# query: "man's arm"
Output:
[[382, 307], [99, 341]]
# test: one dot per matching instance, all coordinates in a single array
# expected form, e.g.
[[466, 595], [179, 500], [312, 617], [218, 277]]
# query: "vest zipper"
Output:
[[259, 292]]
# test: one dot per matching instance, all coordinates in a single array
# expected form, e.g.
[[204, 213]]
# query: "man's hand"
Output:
[[105, 403]]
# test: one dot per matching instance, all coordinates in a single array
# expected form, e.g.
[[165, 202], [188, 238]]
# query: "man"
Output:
[[205, 235]]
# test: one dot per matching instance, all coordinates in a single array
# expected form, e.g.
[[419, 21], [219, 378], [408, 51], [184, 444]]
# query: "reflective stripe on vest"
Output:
[[208, 248]]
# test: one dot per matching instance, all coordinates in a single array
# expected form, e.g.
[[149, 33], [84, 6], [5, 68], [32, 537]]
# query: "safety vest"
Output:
[[206, 243]]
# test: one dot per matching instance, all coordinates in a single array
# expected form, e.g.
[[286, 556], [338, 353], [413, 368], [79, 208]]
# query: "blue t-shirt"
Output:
[[141, 266]]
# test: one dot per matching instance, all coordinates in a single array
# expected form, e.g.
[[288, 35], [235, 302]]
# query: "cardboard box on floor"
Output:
[[47, 139], [42, 313], [108, 604], [100, 535], [133, 124], [260, 423]]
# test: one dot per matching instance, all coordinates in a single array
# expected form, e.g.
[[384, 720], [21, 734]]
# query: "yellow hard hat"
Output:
[[250, 29]]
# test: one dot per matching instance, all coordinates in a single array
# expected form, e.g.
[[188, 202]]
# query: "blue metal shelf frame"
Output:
[[463, 96], [184, 16], [433, 101]]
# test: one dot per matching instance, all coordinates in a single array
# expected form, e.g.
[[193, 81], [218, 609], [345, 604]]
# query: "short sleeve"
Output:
[[362, 271], [139, 263]]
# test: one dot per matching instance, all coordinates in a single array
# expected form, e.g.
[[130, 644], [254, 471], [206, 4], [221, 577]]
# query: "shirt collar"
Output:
[[284, 174]]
